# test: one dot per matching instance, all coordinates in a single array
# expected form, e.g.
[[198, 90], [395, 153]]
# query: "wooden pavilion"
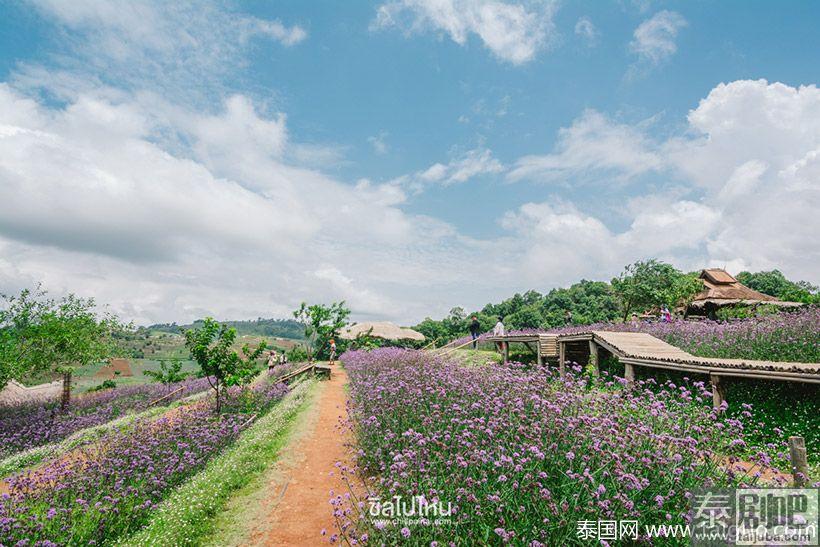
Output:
[[721, 289]]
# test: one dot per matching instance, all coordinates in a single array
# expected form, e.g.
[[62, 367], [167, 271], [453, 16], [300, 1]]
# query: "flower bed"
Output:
[[782, 337], [106, 490], [29, 426], [523, 456]]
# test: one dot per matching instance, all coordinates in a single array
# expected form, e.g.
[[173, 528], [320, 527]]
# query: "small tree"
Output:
[[210, 346], [321, 323], [19, 343], [170, 372], [651, 283]]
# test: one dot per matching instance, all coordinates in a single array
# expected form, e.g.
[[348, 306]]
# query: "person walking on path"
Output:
[[332, 351], [568, 317], [475, 330], [499, 330]]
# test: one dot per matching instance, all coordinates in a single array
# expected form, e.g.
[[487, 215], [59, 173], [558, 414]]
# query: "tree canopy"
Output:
[[642, 286], [650, 284], [321, 323], [774, 283]]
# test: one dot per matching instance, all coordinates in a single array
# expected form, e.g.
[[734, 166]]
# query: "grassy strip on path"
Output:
[[194, 510], [35, 456]]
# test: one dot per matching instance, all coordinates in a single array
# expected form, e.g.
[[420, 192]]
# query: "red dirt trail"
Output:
[[300, 509]]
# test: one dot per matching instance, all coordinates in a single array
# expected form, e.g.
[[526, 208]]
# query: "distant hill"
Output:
[[281, 328]]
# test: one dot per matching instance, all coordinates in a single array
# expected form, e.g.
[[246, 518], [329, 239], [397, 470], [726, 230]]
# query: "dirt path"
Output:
[[298, 507]]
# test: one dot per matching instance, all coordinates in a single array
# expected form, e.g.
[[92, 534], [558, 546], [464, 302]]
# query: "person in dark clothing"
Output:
[[475, 330]]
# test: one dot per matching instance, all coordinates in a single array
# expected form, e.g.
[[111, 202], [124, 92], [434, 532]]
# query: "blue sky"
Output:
[[408, 155]]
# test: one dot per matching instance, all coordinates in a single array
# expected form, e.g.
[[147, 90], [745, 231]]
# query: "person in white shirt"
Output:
[[499, 330]]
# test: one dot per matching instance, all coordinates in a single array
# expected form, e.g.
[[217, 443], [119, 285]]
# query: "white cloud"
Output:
[[585, 29], [89, 202], [379, 143], [473, 163], [747, 172], [592, 146], [654, 39], [514, 32], [183, 48]]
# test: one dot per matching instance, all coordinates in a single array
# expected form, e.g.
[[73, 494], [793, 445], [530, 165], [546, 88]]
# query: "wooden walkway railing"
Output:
[[322, 371], [639, 349]]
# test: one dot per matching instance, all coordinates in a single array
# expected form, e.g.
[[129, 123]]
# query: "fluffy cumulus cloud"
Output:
[[93, 200], [747, 167], [654, 40], [514, 31]]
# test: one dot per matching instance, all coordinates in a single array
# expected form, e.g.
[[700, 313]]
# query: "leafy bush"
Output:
[[106, 384]]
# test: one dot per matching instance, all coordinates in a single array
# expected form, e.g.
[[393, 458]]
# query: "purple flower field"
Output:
[[28, 426], [106, 490], [522, 455]]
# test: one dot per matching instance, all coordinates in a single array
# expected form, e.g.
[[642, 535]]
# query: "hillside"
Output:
[[279, 328]]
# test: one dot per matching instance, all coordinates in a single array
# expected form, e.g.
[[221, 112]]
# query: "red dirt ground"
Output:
[[108, 371], [300, 509]]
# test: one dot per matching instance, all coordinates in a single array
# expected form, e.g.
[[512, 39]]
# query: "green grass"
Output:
[[477, 356], [195, 510]]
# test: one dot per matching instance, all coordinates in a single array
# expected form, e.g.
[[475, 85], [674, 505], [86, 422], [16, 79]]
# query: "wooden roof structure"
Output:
[[722, 289]]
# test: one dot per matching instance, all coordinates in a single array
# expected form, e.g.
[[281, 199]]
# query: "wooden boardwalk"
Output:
[[639, 349], [544, 346]]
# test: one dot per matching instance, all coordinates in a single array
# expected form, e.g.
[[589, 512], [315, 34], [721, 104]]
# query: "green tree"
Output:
[[774, 283], [72, 335], [19, 325], [170, 372], [321, 323], [211, 347], [55, 336], [652, 283], [527, 317]]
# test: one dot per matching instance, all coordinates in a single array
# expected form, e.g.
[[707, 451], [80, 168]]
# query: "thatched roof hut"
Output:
[[721, 289], [380, 329]]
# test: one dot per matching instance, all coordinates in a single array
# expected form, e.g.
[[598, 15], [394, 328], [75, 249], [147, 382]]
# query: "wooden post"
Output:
[[65, 397], [718, 391], [593, 357], [562, 357], [800, 465], [540, 356], [629, 374], [506, 352]]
